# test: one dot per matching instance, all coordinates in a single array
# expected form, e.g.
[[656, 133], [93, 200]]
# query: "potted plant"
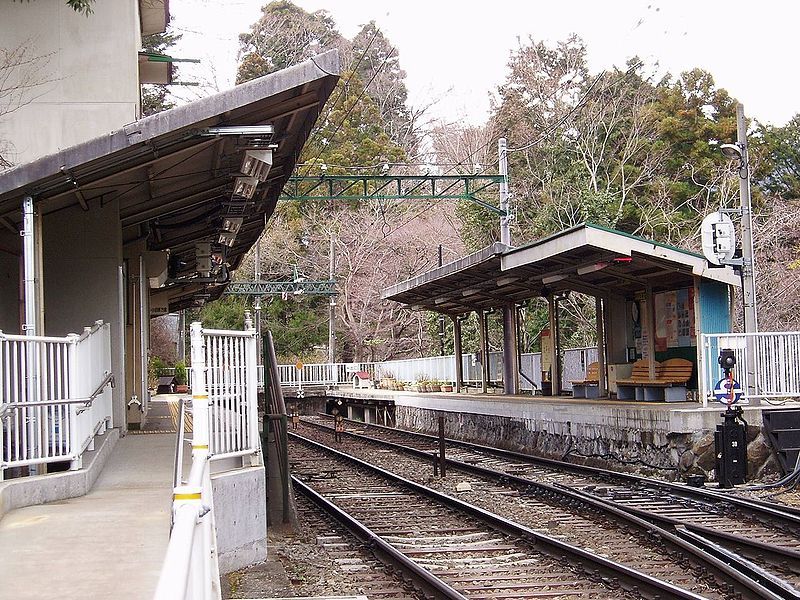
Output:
[[446, 387], [180, 378]]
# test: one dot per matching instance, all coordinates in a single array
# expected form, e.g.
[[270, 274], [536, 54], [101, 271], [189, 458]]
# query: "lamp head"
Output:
[[731, 151]]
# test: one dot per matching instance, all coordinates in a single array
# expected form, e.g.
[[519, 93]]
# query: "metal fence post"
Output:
[[200, 435]]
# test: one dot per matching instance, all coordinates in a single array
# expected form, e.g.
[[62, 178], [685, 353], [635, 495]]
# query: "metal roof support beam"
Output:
[[483, 327], [458, 352], [599, 311], [510, 354]]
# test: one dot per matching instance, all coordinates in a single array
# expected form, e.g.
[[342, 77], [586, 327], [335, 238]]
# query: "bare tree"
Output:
[[22, 77]]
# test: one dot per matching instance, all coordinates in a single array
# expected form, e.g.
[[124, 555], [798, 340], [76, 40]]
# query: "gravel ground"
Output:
[[297, 566]]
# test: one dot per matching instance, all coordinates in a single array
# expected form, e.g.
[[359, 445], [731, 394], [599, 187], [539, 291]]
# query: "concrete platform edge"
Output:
[[29, 491]]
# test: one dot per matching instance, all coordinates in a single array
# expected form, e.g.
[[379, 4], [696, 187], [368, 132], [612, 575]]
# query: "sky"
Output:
[[455, 52]]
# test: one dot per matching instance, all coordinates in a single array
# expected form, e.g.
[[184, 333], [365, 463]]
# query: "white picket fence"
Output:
[[54, 396], [440, 368], [776, 362]]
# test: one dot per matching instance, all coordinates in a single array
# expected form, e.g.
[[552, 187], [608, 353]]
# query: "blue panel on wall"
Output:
[[714, 307]]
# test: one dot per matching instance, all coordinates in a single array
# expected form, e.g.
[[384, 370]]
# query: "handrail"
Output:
[[86, 401], [48, 410]]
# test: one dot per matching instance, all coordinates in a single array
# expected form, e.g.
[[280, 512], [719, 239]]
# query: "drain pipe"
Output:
[[29, 327], [29, 260]]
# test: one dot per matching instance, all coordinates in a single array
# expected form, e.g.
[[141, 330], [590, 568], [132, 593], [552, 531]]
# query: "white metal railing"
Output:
[[224, 409], [232, 384], [54, 396], [440, 368], [191, 568], [776, 364]]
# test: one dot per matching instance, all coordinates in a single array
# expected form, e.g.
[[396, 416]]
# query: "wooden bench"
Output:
[[669, 384], [589, 387]]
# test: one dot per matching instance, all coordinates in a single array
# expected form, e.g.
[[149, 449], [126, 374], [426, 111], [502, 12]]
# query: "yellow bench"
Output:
[[669, 384], [589, 387]]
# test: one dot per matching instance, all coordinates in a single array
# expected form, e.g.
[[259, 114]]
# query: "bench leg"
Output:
[[652, 394], [675, 394], [626, 392]]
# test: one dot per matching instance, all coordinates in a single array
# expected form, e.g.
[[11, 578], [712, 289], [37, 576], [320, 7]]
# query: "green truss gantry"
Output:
[[392, 187], [280, 288]]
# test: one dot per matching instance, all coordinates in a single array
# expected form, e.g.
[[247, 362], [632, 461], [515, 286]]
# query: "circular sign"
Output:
[[299, 365], [722, 391], [301, 394], [718, 238]]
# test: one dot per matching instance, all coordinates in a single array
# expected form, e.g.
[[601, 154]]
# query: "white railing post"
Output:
[[252, 388], [200, 417], [72, 409]]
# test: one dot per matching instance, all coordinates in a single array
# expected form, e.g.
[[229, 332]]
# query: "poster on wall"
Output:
[[685, 318], [674, 319]]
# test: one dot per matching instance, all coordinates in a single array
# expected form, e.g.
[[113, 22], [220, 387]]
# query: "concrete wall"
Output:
[[240, 513], [82, 253], [84, 74]]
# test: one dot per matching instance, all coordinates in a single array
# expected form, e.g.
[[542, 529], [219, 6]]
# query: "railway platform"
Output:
[[674, 436], [64, 548]]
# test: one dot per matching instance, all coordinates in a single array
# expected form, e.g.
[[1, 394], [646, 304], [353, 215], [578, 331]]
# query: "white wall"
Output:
[[82, 252], [86, 74]]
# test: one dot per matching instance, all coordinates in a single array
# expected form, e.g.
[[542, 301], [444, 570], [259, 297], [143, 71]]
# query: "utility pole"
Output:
[[257, 300], [441, 316], [332, 304], [748, 258], [505, 217]]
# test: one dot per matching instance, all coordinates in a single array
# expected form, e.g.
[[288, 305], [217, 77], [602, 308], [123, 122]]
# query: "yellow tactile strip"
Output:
[[187, 416]]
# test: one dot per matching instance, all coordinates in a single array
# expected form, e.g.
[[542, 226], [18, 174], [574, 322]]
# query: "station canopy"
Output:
[[587, 258], [174, 173]]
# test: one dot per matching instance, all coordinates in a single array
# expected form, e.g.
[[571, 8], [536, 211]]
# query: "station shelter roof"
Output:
[[586, 258], [173, 182]]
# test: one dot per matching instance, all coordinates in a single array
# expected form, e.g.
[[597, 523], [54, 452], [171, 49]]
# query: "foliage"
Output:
[[780, 173], [83, 7], [180, 373], [163, 339], [225, 313], [154, 96], [284, 35]]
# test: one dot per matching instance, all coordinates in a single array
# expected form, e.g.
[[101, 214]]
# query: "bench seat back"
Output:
[[675, 370]]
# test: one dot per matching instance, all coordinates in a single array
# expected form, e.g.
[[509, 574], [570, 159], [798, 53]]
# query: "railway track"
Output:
[[466, 551], [767, 551], [365, 573]]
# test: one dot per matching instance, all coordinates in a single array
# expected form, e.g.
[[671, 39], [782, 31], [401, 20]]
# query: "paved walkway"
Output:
[[109, 543]]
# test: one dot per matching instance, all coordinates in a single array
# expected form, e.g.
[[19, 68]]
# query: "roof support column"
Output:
[[600, 317], [510, 364], [555, 366], [31, 244], [483, 327], [649, 344], [458, 353], [31, 264]]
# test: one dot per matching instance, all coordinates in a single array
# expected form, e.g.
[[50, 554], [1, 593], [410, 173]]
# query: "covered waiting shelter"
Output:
[[653, 300], [153, 217]]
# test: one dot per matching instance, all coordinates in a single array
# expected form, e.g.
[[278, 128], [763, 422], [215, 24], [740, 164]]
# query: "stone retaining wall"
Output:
[[647, 450]]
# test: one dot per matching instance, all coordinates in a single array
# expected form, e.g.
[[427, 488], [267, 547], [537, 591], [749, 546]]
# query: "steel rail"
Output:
[[784, 516], [421, 578], [645, 584], [639, 519], [776, 586]]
